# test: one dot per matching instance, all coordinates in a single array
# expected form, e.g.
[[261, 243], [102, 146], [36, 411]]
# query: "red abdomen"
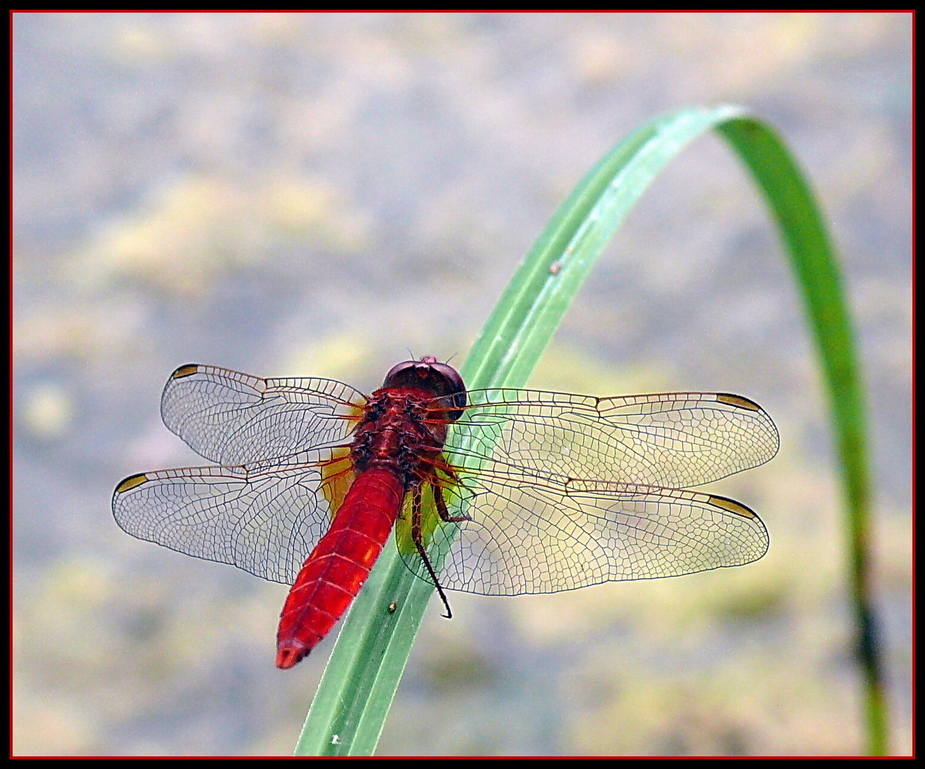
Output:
[[339, 565]]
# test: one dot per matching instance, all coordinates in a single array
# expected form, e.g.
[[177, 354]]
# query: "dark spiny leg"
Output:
[[442, 508], [418, 539]]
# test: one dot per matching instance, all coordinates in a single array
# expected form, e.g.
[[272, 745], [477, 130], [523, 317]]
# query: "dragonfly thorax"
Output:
[[398, 432]]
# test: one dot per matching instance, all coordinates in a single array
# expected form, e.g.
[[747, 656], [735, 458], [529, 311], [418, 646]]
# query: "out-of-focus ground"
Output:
[[323, 195]]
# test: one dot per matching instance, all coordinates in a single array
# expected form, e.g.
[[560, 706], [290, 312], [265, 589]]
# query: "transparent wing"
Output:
[[236, 419], [548, 535], [563, 491], [265, 520], [670, 440]]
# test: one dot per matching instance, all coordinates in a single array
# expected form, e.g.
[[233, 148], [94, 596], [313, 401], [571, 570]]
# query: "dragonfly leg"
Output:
[[442, 508], [418, 539]]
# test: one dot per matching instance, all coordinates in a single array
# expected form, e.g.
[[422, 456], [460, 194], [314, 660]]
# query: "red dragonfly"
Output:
[[496, 491]]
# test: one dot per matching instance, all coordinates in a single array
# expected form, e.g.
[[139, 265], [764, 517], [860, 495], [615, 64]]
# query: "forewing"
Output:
[[668, 440], [236, 419], [263, 520], [542, 536]]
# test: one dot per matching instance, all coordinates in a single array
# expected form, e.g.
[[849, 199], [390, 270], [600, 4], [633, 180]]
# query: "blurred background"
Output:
[[326, 195]]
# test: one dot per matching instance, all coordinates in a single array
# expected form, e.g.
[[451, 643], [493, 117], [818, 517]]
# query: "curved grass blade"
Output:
[[372, 649], [816, 266]]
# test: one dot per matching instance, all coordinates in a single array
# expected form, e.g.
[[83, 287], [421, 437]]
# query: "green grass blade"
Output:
[[372, 649], [816, 267]]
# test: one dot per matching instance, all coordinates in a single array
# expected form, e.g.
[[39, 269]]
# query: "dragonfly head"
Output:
[[430, 375]]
